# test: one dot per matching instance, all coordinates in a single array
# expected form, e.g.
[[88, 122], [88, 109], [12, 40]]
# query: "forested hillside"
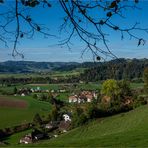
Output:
[[116, 69]]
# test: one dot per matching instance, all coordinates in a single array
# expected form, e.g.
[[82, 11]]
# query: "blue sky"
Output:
[[41, 49]]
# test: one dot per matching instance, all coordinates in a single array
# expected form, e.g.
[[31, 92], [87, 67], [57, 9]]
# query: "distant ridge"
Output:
[[32, 66]]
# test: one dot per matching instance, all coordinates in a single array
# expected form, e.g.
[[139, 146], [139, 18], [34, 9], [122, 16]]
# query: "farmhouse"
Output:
[[84, 96], [73, 98], [66, 117], [24, 91], [26, 139]]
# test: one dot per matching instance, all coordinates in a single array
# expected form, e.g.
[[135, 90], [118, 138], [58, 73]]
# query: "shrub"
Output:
[[35, 96], [37, 120]]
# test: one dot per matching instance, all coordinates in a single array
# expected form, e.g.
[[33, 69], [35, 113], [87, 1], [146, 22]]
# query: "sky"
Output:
[[40, 48]]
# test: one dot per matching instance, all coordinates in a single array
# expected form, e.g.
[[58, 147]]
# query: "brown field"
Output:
[[14, 103]]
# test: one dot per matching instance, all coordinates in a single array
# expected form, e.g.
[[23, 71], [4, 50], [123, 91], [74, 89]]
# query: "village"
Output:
[[75, 109], [80, 97], [53, 128]]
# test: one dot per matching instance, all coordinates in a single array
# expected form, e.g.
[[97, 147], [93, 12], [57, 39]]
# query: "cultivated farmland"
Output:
[[18, 110]]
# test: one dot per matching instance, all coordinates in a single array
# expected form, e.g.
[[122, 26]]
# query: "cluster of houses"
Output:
[[27, 91], [62, 126], [84, 96]]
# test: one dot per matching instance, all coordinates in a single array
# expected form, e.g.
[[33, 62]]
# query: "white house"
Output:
[[66, 117], [22, 94], [32, 90], [26, 140]]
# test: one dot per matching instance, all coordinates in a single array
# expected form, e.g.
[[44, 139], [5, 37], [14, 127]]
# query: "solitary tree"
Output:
[[37, 119], [15, 90], [82, 20], [110, 88]]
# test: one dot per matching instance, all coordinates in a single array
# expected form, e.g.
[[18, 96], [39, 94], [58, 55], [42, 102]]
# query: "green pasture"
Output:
[[15, 116], [124, 130]]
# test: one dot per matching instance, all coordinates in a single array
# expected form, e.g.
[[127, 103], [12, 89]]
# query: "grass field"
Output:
[[137, 85], [88, 86], [10, 116], [52, 74], [123, 130]]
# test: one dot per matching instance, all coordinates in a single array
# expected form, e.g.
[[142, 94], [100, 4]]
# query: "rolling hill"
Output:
[[124, 130], [31, 66]]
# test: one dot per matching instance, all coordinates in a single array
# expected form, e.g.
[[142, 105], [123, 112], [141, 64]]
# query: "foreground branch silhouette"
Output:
[[82, 20]]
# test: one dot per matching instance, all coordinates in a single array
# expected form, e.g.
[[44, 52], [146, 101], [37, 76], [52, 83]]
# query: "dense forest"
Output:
[[116, 69]]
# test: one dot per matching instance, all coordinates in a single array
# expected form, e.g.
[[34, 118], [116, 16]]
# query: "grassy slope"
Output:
[[14, 139], [15, 116], [126, 129]]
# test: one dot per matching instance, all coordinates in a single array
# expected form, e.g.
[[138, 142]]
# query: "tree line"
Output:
[[116, 69]]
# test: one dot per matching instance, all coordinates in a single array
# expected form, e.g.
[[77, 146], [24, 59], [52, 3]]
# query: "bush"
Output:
[[37, 120], [78, 117], [54, 113], [15, 90], [79, 120], [141, 100], [35, 96], [92, 111]]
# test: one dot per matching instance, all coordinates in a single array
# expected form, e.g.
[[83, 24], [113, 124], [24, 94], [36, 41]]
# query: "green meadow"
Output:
[[123, 130], [10, 116]]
